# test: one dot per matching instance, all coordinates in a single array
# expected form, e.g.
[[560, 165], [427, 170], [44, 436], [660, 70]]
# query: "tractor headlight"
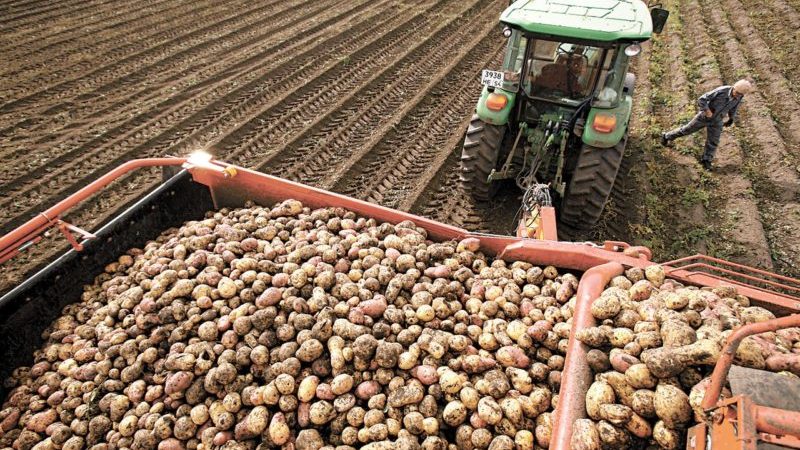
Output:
[[633, 50], [507, 32]]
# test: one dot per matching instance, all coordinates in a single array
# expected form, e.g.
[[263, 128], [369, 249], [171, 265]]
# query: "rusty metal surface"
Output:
[[766, 388]]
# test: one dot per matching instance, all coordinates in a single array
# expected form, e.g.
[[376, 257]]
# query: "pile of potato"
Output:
[[654, 347], [293, 328]]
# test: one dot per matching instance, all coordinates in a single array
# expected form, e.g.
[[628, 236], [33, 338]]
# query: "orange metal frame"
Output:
[[737, 422], [30, 232], [230, 186]]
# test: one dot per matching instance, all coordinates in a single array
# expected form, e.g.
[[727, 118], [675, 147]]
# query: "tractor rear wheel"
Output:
[[479, 156], [588, 191]]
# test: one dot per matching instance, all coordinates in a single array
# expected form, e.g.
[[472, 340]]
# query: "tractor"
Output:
[[555, 118]]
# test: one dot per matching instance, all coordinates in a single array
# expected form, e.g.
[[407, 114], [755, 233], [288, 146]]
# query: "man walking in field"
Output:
[[713, 106]]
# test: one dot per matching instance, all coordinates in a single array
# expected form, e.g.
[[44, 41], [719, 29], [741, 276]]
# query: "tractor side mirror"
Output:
[[659, 16]]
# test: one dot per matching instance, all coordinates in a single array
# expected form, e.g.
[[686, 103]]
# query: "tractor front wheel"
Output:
[[482, 146], [588, 191]]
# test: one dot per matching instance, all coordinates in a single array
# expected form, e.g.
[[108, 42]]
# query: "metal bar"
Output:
[[732, 264], [720, 374], [578, 375], [777, 421], [25, 232], [698, 273], [732, 272], [784, 304]]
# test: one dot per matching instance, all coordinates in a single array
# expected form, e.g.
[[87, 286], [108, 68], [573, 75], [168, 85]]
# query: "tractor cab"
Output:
[[561, 72], [560, 103]]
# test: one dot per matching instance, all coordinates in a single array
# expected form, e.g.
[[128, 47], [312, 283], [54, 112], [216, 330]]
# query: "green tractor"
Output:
[[557, 114]]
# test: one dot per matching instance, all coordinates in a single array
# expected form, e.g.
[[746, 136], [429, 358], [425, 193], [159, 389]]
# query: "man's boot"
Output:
[[706, 165]]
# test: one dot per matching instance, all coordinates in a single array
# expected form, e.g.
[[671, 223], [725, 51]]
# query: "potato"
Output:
[[592, 336], [599, 393], [598, 361], [622, 390], [622, 361], [666, 437], [789, 363], [639, 427], [620, 337], [638, 376], [585, 436], [616, 414], [605, 307], [672, 405], [749, 354], [642, 403], [611, 436], [675, 333]]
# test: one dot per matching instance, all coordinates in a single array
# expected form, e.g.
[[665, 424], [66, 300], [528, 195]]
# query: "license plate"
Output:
[[492, 78]]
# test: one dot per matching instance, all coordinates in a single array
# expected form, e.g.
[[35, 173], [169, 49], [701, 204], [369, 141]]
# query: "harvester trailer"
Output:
[[757, 416]]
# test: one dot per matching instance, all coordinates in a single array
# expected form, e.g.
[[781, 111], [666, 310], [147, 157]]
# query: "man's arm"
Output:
[[732, 112]]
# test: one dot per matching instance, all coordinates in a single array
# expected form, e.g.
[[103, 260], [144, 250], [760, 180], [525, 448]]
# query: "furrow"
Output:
[[179, 48], [122, 99], [150, 137], [411, 138], [213, 102], [408, 159], [43, 55], [47, 12], [341, 135], [774, 189]]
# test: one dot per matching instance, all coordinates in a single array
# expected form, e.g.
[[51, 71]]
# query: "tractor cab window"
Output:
[[609, 91], [514, 59], [562, 71]]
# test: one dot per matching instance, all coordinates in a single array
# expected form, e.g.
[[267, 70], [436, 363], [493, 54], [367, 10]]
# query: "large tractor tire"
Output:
[[482, 148], [588, 191]]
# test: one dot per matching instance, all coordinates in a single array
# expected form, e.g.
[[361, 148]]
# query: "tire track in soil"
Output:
[[180, 47], [345, 134], [218, 101], [777, 200], [263, 134], [24, 97], [397, 167], [87, 42], [173, 81], [36, 40], [34, 15], [147, 141]]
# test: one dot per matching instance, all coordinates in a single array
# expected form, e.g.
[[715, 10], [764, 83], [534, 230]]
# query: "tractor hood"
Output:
[[589, 20]]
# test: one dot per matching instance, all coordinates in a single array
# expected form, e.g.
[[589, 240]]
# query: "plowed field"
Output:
[[364, 97], [371, 98]]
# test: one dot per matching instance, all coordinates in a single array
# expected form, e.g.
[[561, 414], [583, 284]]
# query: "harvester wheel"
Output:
[[479, 157], [589, 189]]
